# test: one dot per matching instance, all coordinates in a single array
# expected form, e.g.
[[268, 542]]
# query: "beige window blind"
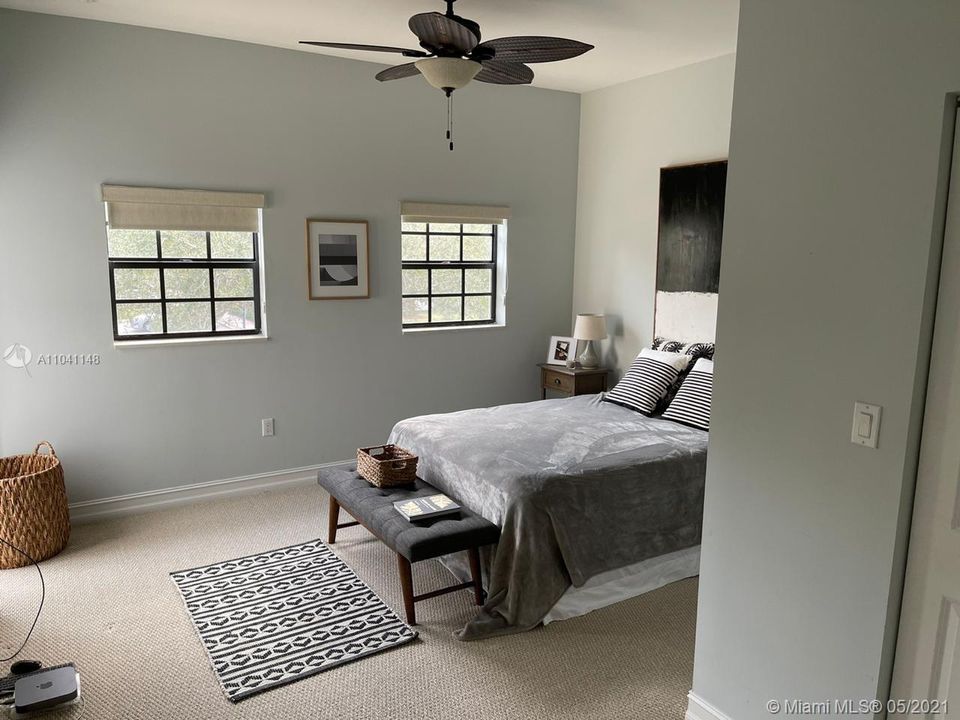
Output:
[[437, 212], [145, 208]]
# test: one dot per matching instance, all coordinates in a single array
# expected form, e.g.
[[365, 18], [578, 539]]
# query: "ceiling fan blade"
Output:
[[533, 49], [442, 34], [398, 71], [372, 48], [502, 72]]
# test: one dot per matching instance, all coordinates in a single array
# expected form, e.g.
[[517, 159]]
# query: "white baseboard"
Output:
[[700, 709], [90, 510]]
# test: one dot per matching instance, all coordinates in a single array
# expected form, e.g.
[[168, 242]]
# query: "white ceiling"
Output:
[[633, 38]]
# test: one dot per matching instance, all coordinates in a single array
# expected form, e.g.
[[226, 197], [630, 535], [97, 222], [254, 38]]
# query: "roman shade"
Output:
[[145, 208], [438, 212]]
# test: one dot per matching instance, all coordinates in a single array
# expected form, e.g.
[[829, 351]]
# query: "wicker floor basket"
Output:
[[387, 465], [33, 507]]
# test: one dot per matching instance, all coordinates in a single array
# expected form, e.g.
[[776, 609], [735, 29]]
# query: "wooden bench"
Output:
[[372, 507]]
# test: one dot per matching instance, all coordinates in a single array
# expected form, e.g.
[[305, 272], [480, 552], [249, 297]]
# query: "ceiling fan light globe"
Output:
[[446, 73]]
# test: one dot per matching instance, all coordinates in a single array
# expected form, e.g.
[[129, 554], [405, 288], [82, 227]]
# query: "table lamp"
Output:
[[589, 327]]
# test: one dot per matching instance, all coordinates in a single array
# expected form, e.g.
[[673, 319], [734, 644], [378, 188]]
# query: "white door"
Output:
[[927, 664]]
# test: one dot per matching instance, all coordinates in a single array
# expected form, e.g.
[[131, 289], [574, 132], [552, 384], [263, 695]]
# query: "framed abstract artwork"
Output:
[[337, 259], [688, 251]]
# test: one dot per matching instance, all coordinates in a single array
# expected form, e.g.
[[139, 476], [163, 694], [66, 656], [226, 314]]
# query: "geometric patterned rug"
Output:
[[269, 619]]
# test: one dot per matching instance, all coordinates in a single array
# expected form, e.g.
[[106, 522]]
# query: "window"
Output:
[[449, 274], [169, 282], [183, 283]]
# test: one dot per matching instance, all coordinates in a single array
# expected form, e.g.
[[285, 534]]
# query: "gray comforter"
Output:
[[578, 487]]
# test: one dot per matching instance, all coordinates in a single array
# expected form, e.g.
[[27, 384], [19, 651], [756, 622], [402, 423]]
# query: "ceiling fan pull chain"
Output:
[[450, 119]]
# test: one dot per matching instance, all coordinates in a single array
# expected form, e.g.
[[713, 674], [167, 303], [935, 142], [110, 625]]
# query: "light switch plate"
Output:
[[866, 424]]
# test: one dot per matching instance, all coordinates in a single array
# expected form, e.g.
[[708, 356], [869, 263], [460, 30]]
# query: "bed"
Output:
[[594, 501]]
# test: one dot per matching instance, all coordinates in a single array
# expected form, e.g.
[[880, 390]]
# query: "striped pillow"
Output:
[[695, 350], [691, 406], [648, 380]]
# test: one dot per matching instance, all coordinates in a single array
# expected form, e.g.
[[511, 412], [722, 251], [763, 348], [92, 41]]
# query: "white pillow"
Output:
[[691, 406], [648, 380]]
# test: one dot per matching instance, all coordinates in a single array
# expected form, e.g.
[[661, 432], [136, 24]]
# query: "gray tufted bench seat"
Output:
[[372, 507]]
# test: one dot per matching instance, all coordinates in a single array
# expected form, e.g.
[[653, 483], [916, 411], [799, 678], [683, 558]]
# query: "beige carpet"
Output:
[[112, 609]]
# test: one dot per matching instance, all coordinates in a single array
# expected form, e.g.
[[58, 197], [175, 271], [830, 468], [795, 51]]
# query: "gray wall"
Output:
[[627, 133], [82, 103], [830, 249]]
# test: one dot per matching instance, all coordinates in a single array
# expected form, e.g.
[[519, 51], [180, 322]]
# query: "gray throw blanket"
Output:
[[578, 486]]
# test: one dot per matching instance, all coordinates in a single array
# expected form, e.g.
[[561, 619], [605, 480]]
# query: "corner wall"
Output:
[[627, 133], [831, 243], [86, 102]]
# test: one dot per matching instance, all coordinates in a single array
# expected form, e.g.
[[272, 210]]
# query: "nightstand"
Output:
[[579, 381]]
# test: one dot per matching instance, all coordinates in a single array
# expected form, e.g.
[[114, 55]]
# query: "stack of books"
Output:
[[425, 508]]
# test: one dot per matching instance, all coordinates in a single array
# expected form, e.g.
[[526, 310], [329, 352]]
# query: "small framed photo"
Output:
[[561, 350], [337, 259]]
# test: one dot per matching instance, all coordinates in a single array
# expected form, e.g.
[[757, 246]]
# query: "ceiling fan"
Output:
[[453, 55]]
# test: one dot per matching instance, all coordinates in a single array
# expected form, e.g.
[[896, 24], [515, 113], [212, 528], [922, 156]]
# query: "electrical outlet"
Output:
[[266, 427]]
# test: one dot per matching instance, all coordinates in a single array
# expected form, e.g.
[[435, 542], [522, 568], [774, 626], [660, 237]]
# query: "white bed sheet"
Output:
[[623, 583]]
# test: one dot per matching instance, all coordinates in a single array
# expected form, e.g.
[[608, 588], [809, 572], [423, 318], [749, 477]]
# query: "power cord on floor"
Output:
[[43, 596], [55, 714], [77, 709]]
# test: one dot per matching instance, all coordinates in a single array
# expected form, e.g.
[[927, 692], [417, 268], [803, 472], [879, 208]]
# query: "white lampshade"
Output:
[[448, 73], [590, 327]]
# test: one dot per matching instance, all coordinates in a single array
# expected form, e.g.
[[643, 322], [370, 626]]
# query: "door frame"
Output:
[[950, 139]]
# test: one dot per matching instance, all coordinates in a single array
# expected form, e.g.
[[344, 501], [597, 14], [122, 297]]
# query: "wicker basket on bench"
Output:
[[33, 507], [387, 465]]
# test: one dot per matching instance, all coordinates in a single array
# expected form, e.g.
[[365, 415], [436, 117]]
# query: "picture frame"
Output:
[[561, 349], [338, 259]]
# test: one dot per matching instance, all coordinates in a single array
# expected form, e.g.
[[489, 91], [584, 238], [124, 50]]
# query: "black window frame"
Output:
[[206, 263], [463, 266]]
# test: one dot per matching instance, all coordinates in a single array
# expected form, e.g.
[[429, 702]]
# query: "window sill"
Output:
[[454, 328], [166, 342]]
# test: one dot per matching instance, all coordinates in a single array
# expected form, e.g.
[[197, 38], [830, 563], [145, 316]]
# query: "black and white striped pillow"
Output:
[[648, 380], [695, 350], [691, 406]]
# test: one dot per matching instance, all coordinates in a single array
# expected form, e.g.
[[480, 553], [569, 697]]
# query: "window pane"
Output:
[[233, 282], [415, 282], [478, 249], [132, 243], [477, 307], [183, 244], [446, 281], [444, 247], [445, 227], [413, 227], [473, 228], [188, 317], [414, 247], [139, 319], [479, 281], [192, 283], [415, 310], [136, 283], [235, 315], [231, 245], [446, 309]]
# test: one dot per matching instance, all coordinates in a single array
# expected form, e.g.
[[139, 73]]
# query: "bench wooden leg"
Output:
[[332, 520], [406, 585], [475, 574]]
